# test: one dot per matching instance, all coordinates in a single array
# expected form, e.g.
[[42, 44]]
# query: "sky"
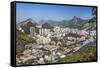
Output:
[[50, 12]]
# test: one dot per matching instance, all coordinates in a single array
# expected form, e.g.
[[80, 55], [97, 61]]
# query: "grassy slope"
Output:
[[85, 54]]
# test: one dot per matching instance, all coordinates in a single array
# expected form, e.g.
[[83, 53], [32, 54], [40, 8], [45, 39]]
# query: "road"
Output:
[[87, 44]]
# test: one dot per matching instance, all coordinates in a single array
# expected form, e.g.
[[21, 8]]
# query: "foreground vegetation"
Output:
[[85, 54], [21, 40]]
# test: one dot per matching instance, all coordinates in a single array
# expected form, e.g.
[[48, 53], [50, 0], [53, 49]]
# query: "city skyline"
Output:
[[50, 12]]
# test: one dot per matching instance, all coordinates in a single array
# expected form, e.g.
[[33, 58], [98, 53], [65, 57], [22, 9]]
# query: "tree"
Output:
[[93, 19], [46, 25], [54, 39], [94, 12]]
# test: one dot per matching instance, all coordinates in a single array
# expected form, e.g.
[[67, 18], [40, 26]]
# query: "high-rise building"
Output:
[[44, 31], [32, 31]]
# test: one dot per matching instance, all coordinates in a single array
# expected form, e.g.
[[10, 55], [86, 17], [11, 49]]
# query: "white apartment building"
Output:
[[43, 40], [43, 31], [93, 33]]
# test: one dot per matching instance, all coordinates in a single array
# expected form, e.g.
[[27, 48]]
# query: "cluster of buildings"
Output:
[[43, 40], [44, 35], [40, 54], [42, 51]]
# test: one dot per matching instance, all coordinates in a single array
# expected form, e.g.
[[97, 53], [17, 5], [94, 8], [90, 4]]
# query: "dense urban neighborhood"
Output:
[[51, 34], [46, 44]]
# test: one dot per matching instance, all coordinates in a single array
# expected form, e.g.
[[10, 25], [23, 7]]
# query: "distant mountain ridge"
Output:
[[26, 24], [75, 22], [72, 23], [26, 21]]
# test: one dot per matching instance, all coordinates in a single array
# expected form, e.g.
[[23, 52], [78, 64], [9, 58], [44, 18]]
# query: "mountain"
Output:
[[41, 22], [46, 25], [26, 24], [56, 23], [75, 22], [26, 21]]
